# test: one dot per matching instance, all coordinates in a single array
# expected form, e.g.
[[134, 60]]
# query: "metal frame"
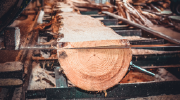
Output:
[[120, 91]]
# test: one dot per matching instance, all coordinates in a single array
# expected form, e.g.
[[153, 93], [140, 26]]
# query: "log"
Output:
[[91, 69]]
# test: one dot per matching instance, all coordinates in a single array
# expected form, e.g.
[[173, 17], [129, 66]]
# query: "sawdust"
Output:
[[40, 79], [137, 77]]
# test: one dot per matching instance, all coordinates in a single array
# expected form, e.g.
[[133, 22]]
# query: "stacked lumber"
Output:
[[11, 74], [126, 10], [85, 5], [152, 9], [144, 12], [156, 5]]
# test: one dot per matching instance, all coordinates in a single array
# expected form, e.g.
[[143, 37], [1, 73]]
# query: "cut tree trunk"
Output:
[[92, 69]]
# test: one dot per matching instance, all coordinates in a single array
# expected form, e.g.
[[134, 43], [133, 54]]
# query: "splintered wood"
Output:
[[92, 69]]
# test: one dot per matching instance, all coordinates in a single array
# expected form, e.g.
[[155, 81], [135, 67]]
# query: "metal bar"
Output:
[[156, 59], [108, 22], [38, 48], [89, 12], [32, 94], [129, 32], [141, 69], [159, 47], [162, 47], [159, 34], [146, 42], [100, 16], [165, 66], [169, 46], [103, 47], [121, 91], [61, 81]]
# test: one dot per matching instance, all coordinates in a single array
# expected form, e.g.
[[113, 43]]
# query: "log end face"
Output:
[[95, 69]]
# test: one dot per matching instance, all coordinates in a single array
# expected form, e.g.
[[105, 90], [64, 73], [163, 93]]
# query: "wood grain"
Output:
[[92, 69]]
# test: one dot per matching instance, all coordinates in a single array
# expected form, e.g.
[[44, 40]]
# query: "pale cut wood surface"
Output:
[[94, 69], [10, 82], [79, 28]]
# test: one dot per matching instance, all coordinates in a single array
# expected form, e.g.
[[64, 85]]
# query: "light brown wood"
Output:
[[11, 66], [155, 8], [91, 69], [150, 15], [95, 69], [121, 11], [10, 82]]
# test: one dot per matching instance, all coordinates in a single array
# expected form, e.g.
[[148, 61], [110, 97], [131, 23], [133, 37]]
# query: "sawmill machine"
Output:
[[81, 63]]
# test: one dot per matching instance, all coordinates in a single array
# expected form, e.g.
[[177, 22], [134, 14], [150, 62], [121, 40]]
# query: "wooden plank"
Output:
[[175, 18], [118, 27], [10, 82], [11, 66]]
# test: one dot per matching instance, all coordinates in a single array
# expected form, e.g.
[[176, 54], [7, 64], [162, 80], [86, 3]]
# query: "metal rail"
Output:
[[118, 92], [159, 34]]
